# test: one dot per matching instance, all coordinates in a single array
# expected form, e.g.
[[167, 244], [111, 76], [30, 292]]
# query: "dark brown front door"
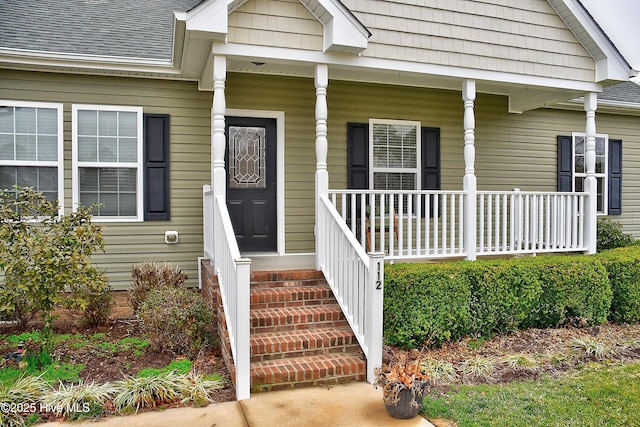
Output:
[[251, 182]]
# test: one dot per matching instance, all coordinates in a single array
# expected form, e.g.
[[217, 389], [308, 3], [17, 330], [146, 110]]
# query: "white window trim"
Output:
[[57, 163], [605, 175], [415, 170], [75, 178]]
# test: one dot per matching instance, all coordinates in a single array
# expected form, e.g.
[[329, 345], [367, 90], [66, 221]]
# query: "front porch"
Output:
[[357, 231]]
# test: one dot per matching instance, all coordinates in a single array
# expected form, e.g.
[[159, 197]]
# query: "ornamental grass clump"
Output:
[[589, 348], [146, 392], [478, 366], [197, 389], [80, 401], [439, 371]]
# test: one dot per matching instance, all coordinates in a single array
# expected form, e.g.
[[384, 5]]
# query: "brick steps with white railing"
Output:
[[299, 336]]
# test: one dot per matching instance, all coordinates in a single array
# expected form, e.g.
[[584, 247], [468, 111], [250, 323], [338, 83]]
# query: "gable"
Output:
[[342, 32], [280, 23], [515, 36]]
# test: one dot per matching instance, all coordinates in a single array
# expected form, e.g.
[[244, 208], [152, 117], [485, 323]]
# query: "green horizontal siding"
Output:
[[512, 150], [190, 111]]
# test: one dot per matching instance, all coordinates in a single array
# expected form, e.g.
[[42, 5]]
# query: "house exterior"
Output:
[[398, 129]]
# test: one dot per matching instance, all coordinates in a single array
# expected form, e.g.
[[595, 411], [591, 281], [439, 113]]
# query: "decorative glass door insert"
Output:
[[247, 151]]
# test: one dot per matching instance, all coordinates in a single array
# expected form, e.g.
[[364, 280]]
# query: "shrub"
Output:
[[503, 292], [611, 236], [44, 255], [93, 299], [623, 268], [150, 275], [573, 288], [425, 304], [177, 319]]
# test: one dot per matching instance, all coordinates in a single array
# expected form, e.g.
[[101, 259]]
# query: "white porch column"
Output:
[[322, 176], [218, 142], [469, 181], [590, 183]]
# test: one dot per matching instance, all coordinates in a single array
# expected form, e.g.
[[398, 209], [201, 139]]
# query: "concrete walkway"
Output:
[[357, 404]]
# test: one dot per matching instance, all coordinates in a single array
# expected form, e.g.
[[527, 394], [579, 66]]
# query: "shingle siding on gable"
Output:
[[517, 36], [282, 23]]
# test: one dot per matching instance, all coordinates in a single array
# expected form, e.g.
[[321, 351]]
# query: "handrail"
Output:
[[233, 273], [356, 279]]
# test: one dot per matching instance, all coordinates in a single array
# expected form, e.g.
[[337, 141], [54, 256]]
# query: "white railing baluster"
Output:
[[461, 224], [452, 225], [481, 213], [427, 224]]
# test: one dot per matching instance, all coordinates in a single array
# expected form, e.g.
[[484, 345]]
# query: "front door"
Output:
[[251, 182]]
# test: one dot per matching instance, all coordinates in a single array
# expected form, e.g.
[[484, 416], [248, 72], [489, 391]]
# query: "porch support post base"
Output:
[[469, 183], [374, 301], [590, 182]]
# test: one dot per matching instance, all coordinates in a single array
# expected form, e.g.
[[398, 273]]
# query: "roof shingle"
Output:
[[124, 28]]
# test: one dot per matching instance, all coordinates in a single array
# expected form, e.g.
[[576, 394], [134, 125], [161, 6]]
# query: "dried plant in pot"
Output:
[[404, 385]]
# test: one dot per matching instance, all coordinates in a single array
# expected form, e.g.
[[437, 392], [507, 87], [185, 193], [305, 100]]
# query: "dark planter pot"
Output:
[[408, 405]]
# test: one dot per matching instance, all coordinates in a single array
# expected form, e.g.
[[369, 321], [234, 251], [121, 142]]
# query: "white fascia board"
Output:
[[614, 66], [604, 106], [343, 32], [266, 53], [84, 61], [339, 37], [210, 17]]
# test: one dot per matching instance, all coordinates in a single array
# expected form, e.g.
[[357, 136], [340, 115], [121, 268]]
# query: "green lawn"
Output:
[[599, 394]]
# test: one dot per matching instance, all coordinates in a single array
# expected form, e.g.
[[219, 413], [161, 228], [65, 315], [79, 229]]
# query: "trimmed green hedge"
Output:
[[623, 268], [429, 304], [572, 287], [425, 303]]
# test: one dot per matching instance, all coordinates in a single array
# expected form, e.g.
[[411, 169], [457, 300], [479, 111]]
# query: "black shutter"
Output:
[[430, 164], [156, 167], [565, 160], [430, 158], [358, 156], [615, 177]]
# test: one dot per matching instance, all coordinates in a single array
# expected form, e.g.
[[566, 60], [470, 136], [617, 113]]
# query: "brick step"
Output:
[[286, 278], [309, 371], [294, 296], [308, 342], [296, 318]]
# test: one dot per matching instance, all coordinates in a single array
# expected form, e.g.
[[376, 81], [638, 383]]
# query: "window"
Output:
[[608, 169], [107, 160], [580, 171], [395, 154], [31, 147]]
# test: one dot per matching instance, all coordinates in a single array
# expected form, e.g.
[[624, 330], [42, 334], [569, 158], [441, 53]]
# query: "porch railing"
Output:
[[356, 279], [430, 224], [404, 224], [530, 222], [233, 274]]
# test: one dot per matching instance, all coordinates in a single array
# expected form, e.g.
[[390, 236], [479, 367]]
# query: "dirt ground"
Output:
[[106, 359], [532, 352], [547, 350]]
